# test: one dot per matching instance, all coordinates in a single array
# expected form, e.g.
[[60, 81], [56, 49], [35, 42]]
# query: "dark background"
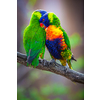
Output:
[[34, 84]]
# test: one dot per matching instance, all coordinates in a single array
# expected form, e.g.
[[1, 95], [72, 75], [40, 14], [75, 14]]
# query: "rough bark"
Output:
[[55, 68]]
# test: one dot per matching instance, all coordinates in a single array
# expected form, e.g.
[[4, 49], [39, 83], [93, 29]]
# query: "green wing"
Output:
[[66, 38], [34, 40], [56, 21]]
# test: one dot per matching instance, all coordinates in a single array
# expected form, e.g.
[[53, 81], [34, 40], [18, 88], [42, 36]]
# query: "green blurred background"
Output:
[[34, 84]]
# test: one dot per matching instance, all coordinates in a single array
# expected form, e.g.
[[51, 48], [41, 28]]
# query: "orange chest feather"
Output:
[[52, 33]]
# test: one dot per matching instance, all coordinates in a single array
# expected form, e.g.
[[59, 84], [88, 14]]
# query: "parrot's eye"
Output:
[[43, 19]]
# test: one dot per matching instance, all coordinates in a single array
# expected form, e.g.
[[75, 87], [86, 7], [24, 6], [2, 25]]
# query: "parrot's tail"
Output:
[[72, 58]]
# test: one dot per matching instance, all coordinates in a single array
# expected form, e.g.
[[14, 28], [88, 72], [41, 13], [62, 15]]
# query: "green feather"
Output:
[[66, 38], [56, 21]]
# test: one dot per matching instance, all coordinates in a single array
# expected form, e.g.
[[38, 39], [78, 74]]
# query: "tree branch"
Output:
[[55, 68]]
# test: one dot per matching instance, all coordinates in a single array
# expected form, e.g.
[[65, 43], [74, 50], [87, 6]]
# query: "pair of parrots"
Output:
[[44, 29]]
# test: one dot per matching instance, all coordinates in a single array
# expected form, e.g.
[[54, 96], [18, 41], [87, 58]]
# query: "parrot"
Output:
[[57, 40], [34, 38]]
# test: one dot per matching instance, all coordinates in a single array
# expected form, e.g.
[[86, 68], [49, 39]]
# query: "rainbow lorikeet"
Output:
[[57, 41], [34, 39]]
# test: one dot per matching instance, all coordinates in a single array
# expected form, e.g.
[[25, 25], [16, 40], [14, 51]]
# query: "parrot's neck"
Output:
[[55, 24]]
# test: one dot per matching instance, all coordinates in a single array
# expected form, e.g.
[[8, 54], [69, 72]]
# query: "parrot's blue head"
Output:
[[44, 19], [49, 19]]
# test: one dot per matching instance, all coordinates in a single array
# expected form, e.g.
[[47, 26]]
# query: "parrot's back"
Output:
[[34, 42]]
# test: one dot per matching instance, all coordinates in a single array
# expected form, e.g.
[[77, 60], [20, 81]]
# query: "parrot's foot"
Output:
[[53, 61]]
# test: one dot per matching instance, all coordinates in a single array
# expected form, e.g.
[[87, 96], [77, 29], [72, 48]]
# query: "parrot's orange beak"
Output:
[[42, 25]]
